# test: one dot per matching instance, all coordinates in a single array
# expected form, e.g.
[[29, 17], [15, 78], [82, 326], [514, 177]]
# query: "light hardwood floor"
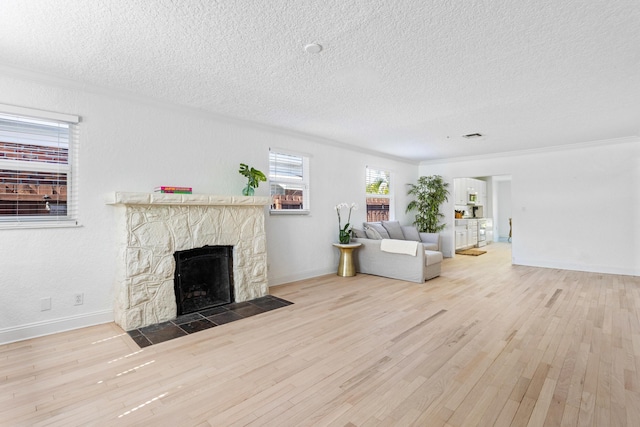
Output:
[[486, 343]]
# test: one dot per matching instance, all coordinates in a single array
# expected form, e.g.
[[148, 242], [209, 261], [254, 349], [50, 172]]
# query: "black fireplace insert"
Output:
[[203, 278]]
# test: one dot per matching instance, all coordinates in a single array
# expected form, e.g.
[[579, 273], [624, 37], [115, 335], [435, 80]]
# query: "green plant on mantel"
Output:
[[430, 192], [254, 176]]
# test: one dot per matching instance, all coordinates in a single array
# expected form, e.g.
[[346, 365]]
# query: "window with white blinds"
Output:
[[378, 194], [37, 151], [288, 182]]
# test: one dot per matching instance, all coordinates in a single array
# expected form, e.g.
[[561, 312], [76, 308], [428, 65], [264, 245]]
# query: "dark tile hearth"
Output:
[[205, 319]]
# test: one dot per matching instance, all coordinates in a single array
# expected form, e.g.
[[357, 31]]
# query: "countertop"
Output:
[[465, 221]]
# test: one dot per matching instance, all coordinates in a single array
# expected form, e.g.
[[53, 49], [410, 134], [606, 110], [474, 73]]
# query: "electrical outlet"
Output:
[[78, 299], [45, 304]]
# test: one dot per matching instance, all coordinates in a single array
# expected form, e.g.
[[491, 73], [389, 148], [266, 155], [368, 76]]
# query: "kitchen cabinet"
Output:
[[463, 186], [472, 185], [466, 233], [460, 191], [461, 237]]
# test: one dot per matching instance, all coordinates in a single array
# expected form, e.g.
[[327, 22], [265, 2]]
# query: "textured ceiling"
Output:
[[404, 78]]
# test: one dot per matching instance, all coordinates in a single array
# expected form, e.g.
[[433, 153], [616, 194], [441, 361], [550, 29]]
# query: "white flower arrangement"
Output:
[[344, 233]]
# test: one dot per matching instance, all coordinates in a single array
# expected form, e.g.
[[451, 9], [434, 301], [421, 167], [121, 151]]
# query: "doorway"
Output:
[[494, 205]]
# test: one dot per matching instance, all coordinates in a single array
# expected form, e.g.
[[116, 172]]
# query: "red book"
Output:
[[172, 189]]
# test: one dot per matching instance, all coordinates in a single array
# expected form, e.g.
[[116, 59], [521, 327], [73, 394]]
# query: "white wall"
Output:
[[133, 145], [573, 208], [503, 211]]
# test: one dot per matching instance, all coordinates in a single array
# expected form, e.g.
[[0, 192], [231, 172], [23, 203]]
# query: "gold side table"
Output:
[[346, 267]]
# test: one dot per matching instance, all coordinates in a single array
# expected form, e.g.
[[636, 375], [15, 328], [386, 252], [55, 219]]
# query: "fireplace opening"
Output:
[[203, 278]]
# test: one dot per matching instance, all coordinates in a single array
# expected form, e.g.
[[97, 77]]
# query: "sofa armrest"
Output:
[[432, 238]]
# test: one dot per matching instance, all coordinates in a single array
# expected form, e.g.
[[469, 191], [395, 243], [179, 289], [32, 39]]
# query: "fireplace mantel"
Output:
[[129, 198], [151, 227]]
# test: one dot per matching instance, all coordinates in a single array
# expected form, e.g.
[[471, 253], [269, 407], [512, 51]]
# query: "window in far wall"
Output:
[[288, 182], [378, 194], [36, 168]]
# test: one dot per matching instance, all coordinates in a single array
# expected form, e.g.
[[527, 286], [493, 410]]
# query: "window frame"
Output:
[[70, 219], [303, 182]]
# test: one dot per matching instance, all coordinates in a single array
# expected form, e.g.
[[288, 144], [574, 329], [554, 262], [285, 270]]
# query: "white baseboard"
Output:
[[288, 278], [38, 329], [590, 268]]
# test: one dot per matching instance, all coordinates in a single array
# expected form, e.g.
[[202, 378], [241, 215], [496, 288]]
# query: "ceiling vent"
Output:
[[473, 135]]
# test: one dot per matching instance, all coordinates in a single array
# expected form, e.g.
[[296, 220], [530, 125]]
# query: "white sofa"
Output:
[[371, 259]]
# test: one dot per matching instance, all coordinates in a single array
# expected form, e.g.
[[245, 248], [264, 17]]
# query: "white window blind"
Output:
[[378, 194], [36, 167], [377, 181], [288, 182]]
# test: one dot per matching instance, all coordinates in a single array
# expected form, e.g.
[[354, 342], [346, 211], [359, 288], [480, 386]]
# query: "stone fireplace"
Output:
[[151, 227]]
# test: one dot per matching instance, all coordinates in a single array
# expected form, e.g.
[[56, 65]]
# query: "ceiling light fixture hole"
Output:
[[313, 48]]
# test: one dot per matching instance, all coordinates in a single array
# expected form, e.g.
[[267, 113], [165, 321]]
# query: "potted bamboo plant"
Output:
[[430, 192]]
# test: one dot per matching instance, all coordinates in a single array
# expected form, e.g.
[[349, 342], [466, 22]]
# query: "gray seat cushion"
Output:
[[432, 257], [430, 246]]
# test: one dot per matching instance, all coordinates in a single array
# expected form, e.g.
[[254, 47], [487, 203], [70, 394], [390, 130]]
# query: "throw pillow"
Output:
[[372, 233], [359, 234], [394, 229], [384, 234], [411, 233]]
